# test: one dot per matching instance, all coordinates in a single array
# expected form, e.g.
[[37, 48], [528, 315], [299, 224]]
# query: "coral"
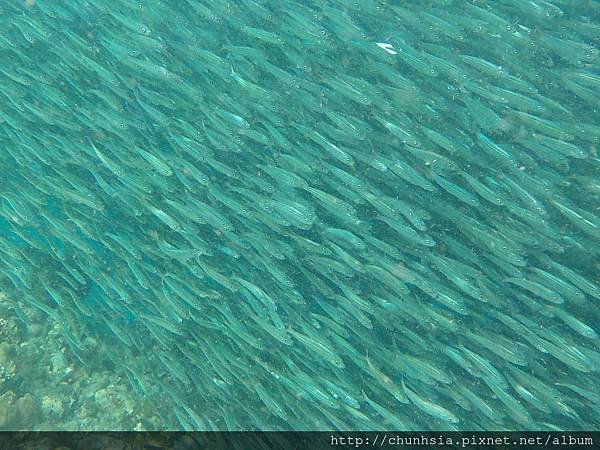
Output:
[[8, 412], [52, 406], [7, 362], [26, 408]]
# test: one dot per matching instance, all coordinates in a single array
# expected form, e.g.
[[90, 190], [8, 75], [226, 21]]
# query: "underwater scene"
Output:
[[299, 215]]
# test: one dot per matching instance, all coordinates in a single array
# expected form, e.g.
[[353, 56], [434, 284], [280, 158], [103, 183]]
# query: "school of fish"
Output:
[[350, 215]]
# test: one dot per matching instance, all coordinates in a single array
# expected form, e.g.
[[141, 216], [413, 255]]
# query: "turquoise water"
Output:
[[269, 215]]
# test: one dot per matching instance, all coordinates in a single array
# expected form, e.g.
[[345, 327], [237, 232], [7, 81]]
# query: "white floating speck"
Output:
[[387, 47]]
